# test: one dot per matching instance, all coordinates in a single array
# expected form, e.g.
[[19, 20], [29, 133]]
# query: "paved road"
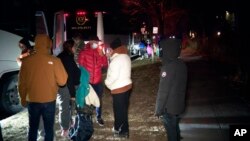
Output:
[[211, 106]]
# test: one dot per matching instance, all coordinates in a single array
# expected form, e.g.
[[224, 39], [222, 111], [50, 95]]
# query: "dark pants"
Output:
[[171, 124], [99, 90], [65, 108], [47, 111], [120, 108]]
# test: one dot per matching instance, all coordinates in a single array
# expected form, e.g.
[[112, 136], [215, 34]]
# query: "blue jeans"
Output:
[[171, 124], [47, 111], [99, 90]]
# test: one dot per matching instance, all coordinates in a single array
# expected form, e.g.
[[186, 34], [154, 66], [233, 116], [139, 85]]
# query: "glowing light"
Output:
[[80, 13], [218, 33], [66, 14]]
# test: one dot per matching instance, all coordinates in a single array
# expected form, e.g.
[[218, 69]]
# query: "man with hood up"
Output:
[[170, 101], [39, 77]]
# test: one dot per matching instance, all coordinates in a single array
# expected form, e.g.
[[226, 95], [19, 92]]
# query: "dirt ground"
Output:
[[142, 123]]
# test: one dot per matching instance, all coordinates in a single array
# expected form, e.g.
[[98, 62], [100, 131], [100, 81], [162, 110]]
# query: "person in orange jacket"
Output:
[[40, 76]]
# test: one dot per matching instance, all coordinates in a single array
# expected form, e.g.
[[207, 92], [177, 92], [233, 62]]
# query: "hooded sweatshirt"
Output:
[[41, 74], [173, 79], [85, 94]]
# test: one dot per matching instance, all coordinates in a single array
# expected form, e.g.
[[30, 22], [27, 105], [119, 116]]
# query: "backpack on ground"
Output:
[[83, 128]]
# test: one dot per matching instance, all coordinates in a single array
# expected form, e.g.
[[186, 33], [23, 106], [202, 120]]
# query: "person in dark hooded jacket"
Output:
[[170, 102], [66, 94]]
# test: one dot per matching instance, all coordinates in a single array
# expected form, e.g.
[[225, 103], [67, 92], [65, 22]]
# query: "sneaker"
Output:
[[115, 131], [100, 121], [40, 138], [121, 135], [65, 133]]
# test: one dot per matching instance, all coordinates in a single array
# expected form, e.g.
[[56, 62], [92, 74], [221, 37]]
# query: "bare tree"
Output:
[[165, 14]]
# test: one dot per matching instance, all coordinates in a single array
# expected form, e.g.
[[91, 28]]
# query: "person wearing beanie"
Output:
[[40, 76], [91, 57], [119, 82], [170, 101]]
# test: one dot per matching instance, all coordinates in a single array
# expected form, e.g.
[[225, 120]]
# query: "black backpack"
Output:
[[83, 128]]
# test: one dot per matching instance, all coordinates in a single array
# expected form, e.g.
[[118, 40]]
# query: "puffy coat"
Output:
[[93, 62]]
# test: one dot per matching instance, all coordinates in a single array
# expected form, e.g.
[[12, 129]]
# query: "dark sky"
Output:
[[18, 10]]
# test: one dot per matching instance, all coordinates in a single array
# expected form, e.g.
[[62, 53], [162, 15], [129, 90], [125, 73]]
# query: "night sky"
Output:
[[16, 11]]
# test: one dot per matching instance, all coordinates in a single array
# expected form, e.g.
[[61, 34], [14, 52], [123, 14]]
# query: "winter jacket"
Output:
[[85, 93], [173, 79], [83, 89], [118, 78], [40, 74], [72, 70], [91, 60]]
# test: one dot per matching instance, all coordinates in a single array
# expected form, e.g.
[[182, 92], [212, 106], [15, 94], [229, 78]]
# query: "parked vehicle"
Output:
[[63, 29]]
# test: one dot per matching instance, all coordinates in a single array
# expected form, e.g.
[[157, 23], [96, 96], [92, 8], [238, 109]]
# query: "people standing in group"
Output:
[[66, 94], [79, 45], [170, 102], [39, 77], [92, 58], [119, 82], [26, 50]]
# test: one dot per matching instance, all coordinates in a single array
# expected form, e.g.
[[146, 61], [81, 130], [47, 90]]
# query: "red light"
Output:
[[66, 14], [80, 13]]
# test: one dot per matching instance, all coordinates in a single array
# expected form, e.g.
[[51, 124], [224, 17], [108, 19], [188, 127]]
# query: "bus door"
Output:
[[59, 33], [41, 23]]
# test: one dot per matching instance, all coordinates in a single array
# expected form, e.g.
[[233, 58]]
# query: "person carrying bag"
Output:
[[86, 102]]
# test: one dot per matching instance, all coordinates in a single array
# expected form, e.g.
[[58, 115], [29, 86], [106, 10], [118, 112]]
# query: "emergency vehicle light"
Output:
[[66, 14], [80, 13]]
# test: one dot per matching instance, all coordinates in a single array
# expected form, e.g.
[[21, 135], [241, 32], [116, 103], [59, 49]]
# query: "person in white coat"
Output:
[[119, 82]]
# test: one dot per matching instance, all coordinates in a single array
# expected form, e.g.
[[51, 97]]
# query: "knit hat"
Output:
[[115, 43]]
